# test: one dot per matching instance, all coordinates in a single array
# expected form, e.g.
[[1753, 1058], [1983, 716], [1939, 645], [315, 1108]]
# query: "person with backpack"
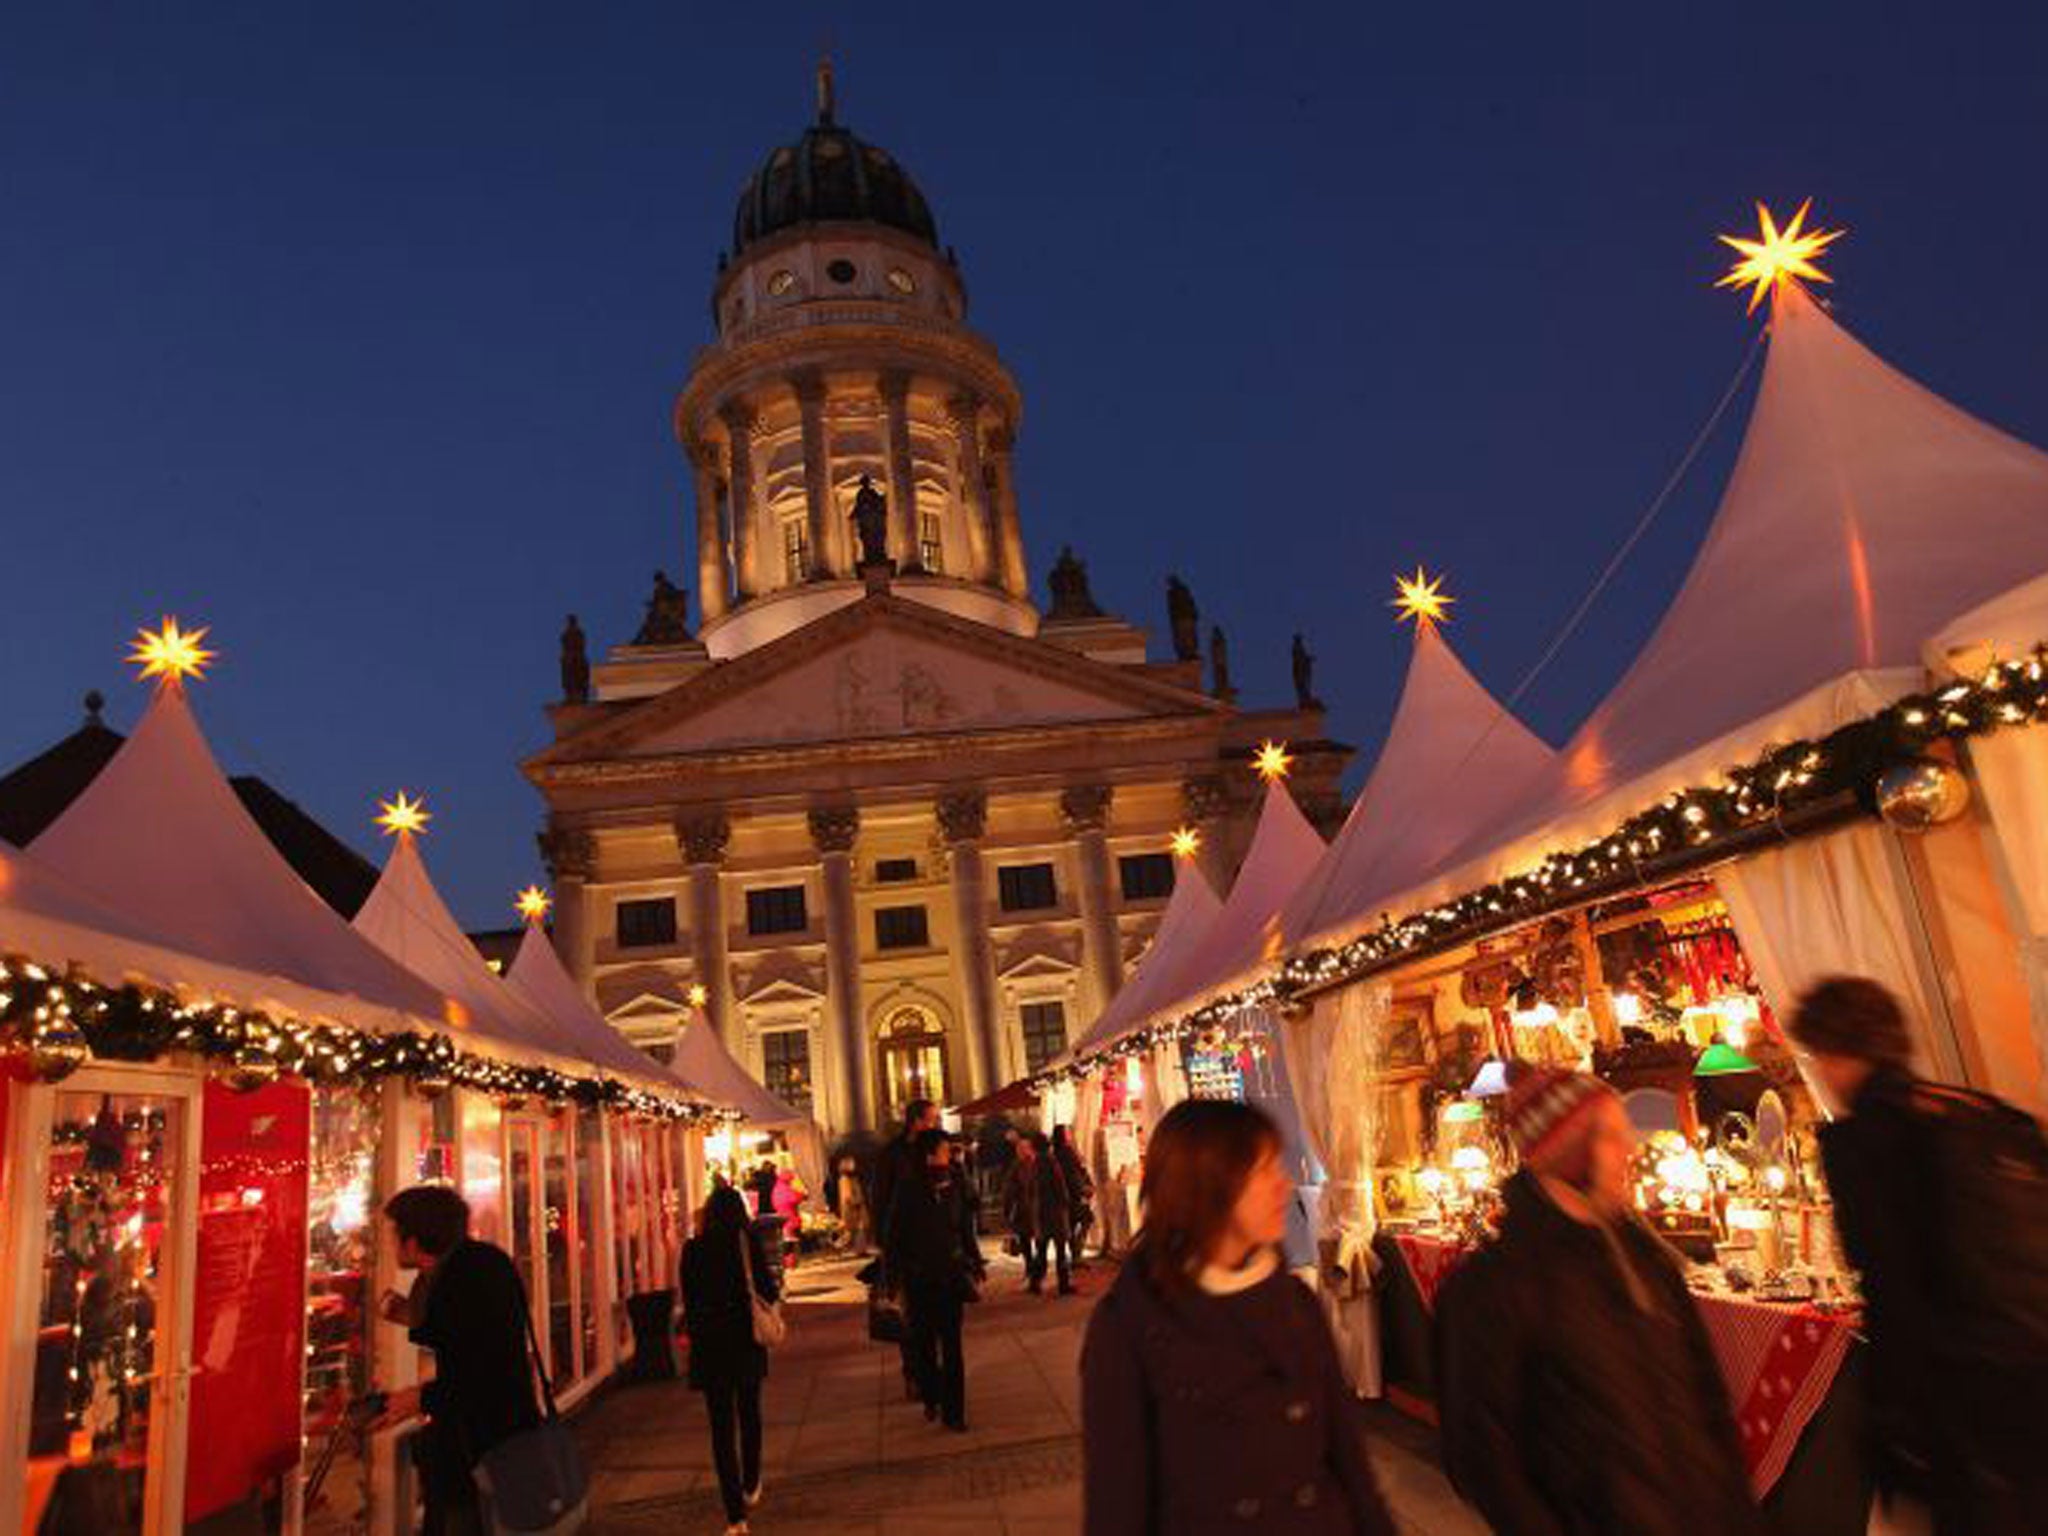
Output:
[[1941, 1201], [929, 1240], [724, 1268], [1038, 1213]]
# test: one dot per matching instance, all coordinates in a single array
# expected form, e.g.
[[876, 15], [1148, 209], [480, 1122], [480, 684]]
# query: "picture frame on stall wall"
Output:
[[1408, 1036]]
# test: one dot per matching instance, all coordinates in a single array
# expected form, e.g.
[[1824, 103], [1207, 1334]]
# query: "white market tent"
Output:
[[703, 1062], [406, 918], [1864, 512], [1191, 911], [1454, 759], [158, 836]]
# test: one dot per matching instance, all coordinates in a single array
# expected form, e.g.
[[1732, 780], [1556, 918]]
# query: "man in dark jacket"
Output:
[[1957, 1415], [896, 1166], [931, 1244], [1579, 1392], [473, 1316], [1037, 1210]]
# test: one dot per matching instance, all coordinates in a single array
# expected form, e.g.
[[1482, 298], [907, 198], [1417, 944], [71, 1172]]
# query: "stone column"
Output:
[[1085, 809], [963, 817], [833, 832], [903, 540], [1204, 801], [746, 527], [570, 857], [818, 500], [713, 583], [1009, 538], [971, 487], [703, 836]]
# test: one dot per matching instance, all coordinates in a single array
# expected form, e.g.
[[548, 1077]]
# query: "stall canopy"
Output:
[[703, 1062], [1863, 513], [407, 919], [1183, 928], [1245, 939], [1454, 759], [158, 835]]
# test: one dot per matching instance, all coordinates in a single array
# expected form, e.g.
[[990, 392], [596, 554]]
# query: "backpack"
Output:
[[1989, 1168]]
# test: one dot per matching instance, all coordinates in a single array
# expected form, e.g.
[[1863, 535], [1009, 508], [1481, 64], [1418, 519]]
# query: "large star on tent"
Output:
[[1778, 255], [1273, 760], [403, 815], [1421, 597], [533, 903], [170, 653]]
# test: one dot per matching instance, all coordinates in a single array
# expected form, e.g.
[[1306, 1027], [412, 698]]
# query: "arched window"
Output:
[[912, 1049]]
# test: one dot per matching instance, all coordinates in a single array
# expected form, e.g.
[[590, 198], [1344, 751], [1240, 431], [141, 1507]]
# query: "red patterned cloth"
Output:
[[1779, 1362], [1430, 1261]]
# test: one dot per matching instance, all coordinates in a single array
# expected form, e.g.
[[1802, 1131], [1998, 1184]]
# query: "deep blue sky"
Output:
[[355, 334]]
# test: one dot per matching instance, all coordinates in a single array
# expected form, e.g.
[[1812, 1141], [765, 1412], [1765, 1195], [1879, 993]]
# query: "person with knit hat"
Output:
[[1578, 1390]]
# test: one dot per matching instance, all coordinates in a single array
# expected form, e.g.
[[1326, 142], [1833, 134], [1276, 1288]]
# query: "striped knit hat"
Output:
[[1548, 1111]]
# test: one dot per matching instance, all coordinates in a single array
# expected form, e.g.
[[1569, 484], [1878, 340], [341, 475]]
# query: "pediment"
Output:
[[642, 1009], [782, 990], [877, 669], [1034, 967]]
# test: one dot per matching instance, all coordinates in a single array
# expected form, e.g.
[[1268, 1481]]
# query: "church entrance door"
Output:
[[913, 1061]]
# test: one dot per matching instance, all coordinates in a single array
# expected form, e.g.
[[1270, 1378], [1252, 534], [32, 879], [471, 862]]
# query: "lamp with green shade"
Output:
[[1722, 1060]]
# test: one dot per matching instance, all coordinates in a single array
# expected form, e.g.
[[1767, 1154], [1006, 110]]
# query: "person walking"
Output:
[[787, 1200], [853, 1204], [1035, 1209], [761, 1185], [931, 1244], [1212, 1400], [1578, 1392], [470, 1310], [723, 1268], [896, 1166], [1080, 1189], [1941, 1201]]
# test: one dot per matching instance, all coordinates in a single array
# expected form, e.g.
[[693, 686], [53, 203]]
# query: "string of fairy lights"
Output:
[[59, 1019]]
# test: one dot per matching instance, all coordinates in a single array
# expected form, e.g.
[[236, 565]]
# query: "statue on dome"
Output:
[[1185, 619], [575, 664], [1219, 665], [668, 614], [1071, 598], [1305, 676], [871, 524]]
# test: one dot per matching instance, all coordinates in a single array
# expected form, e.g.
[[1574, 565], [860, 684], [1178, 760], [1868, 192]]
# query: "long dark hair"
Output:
[[725, 1211], [1196, 1167]]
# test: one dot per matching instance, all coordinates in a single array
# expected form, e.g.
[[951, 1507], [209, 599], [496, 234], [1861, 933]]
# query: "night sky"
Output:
[[356, 335]]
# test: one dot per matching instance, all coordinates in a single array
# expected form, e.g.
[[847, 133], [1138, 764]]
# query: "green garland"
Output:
[[1686, 825], [58, 1014]]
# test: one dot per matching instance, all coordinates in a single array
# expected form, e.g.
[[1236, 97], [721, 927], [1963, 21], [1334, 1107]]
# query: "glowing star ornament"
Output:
[[698, 994], [533, 904], [170, 653], [1421, 597], [1187, 842], [1272, 761], [403, 816], [1777, 255]]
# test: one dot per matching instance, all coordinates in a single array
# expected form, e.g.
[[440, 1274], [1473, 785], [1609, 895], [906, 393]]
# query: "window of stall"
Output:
[[340, 1256], [483, 1166], [522, 1138], [588, 1134], [622, 1236], [435, 1161], [558, 1234]]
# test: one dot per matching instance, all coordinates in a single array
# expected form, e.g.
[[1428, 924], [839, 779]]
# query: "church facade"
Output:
[[895, 829]]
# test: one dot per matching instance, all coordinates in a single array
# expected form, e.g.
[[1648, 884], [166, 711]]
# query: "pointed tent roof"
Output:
[[159, 835], [1863, 513], [1246, 936], [703, 1062], [407, 919], [1454, 759], [1191, 911]]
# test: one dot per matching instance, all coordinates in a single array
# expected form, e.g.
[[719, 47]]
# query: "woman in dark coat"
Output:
[[1211, 1396], [726, 1365]]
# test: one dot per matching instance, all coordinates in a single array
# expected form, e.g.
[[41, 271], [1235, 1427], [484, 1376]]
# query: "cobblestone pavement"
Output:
[[844, 1453]]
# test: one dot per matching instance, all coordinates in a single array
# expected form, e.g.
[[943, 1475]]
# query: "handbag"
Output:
[[535, 1483], [885, 1317], [769, 1327]]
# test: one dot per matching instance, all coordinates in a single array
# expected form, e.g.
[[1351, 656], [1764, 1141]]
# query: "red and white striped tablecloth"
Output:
[[1430, 1261], [1779, 1363]]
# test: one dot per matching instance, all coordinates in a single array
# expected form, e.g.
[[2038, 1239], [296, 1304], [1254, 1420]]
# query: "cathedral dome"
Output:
[[829, 176]]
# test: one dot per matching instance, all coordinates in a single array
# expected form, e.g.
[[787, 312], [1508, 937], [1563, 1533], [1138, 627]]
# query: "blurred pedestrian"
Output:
[[722, 1269], [787, 1200], [853, 1204], [761, 1185], [1037, 1212], [932, 1245], [897, 1166], [1211, 1395], [1080, 1188], [1941, 1200], [1578, 1389], [470, 1311]]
